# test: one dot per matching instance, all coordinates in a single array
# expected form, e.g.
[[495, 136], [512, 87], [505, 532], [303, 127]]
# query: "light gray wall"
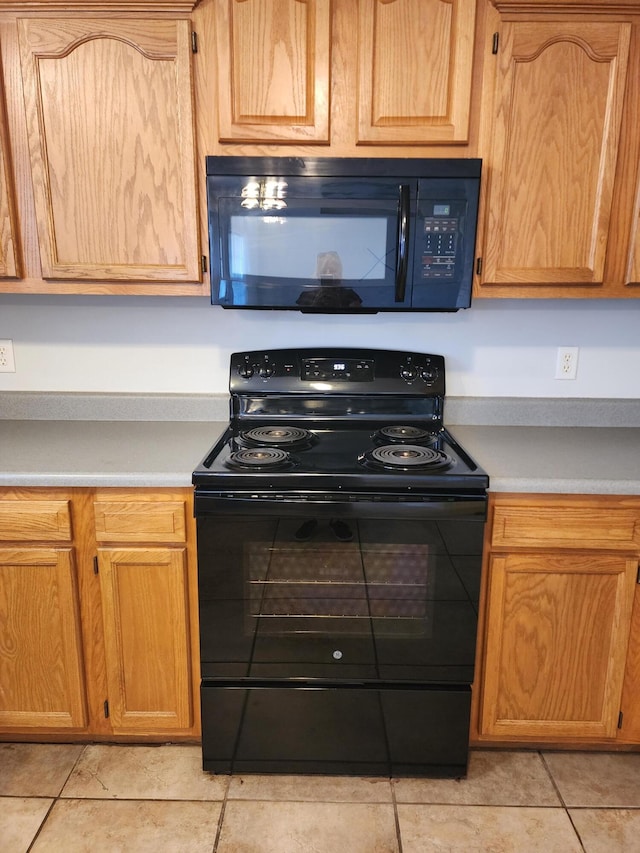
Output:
[[497, 348]]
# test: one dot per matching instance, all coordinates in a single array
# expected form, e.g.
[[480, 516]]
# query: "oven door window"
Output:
[[341, 598]]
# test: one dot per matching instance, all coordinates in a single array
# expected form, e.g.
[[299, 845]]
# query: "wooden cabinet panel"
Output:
[[558, 107], [565, 526], [556, 644], [9, 266], [273, 70], [630, 705], [111, 139], [146, 628], [140, 521], [415, 60], [35, 521], [41, 680]]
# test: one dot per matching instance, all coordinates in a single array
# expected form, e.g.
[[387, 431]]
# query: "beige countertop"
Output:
[[587, 460]]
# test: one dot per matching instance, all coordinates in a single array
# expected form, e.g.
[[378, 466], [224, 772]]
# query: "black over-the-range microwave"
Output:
[[352, 235]]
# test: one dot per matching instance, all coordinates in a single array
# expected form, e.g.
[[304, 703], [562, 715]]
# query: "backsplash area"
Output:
[[139, 345]]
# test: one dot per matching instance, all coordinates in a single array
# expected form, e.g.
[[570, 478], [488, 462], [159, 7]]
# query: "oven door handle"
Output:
[[344, 506]]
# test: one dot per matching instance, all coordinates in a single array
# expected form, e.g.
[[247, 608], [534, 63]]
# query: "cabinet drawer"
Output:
[[566, 526], [35, 521], [140, 521]]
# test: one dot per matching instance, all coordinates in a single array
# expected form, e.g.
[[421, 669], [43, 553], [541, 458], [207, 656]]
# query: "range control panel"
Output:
[[343, 371]]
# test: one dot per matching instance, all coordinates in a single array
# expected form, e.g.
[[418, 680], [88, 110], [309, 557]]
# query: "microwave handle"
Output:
[[402, 254]]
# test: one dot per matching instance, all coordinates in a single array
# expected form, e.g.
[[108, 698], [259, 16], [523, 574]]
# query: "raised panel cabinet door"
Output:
[[41, 671], [9, 267], [111, 140], [558, 108], [415, 61], [146, 630], [273, 70], [556, 644], [630, 722]]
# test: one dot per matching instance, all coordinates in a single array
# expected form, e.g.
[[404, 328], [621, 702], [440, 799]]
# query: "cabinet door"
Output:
[[41, 677], [630, 728], [111, 139], [8, 232], [556, 643], [273, 70], [146, 629], [415, 62], [558, 106]]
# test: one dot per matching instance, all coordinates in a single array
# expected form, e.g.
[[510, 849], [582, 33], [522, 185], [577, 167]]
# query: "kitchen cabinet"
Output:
[[144, 583], [41, 665], [560, 142], [111, 142], [560, 636], [557, 114], [100, 632], [344, 74], [8, 235], [100, 128]]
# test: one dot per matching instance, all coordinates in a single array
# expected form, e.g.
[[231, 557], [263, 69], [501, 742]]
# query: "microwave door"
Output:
[[334, 255]]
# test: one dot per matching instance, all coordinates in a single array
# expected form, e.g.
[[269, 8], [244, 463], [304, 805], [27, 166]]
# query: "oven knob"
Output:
[[266, 370], [409, 373], [429, 374], [246, 371]]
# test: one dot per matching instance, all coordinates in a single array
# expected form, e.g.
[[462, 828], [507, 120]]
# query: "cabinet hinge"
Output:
[[203, 263], [494, 44], [194, 41], [478, 266], [620, 715], [95, 566], [106, 709]]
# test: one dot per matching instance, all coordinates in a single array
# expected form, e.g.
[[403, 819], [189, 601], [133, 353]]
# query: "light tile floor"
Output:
[[57, 798]]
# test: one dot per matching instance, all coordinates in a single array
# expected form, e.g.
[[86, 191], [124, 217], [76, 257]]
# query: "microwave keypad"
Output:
[[439, 247]]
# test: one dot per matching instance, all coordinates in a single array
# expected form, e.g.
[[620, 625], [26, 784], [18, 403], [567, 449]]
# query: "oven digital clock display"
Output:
[[327, 370]]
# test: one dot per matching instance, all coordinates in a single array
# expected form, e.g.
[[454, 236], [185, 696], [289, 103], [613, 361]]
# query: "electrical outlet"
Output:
[[567, 363], [7, 361]]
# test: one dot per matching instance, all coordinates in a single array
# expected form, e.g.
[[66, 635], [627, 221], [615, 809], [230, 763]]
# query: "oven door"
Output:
[[339, 590]]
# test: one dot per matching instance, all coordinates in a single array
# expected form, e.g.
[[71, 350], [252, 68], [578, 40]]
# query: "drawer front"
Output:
[[140, 521], [566, 526], [35, 521]]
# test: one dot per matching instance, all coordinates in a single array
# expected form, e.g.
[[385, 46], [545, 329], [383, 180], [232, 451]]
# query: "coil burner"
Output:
[[279, 436], [403, 434], [260, 459], [407, 457]]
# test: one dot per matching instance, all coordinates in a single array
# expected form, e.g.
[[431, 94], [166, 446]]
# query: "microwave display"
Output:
[[342, 235]]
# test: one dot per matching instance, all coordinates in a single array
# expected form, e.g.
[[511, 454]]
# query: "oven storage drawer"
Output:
[[323, 727]]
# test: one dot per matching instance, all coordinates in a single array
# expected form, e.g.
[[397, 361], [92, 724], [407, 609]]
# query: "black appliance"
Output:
[[340, 529], [351, 235]]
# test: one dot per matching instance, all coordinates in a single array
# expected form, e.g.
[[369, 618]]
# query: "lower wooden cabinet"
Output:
[[41, 666], [559, 650], [98, 604]]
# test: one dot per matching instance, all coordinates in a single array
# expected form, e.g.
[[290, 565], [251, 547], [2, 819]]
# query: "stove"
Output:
[[340, 529]]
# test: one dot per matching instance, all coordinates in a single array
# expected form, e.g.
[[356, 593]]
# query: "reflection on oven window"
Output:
[[359, 587]]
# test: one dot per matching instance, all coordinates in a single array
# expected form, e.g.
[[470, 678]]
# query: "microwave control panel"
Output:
[[440, 240]]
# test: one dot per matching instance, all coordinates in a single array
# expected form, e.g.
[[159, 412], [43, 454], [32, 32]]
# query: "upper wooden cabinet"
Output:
[[111, 143], [8, 233], [344, 74], [549, 187], [273, 61], [415, 60]]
